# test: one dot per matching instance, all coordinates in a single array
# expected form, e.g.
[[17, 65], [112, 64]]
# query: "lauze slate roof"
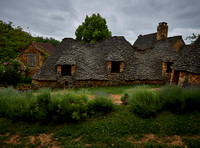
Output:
[[91, 60], [145, 41], [190, 59]]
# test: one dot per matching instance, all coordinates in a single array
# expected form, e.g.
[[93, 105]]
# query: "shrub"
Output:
[[11, 72], [192, 99], [68, 106], [39, 108], [15, 105], [101, 105], [124, 99], [172, 98], [26, 80], [144, 103]]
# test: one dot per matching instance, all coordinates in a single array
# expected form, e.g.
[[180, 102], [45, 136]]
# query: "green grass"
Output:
[[114, 89], [147, 102], [112, 130], [115, 128]]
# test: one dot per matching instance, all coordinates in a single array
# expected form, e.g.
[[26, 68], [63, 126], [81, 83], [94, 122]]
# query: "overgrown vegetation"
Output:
[[14, 39], [119, 128], [44, 107], [12, 72], [148, 103]]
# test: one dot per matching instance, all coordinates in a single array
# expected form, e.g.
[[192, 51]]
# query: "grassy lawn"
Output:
[[114, 90], [119, 128]]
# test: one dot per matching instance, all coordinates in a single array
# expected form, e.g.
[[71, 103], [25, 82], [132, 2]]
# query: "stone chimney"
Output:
[[162, 31]]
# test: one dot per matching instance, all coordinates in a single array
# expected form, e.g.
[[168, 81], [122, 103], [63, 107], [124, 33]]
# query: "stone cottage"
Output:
[[35, 54], [112, 62], [186, 70]]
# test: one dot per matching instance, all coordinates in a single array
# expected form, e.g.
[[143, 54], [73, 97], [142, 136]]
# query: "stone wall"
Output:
[[39, 59], [193, 79], [183, 78], [166, 75], [178, 45], [41, 84]]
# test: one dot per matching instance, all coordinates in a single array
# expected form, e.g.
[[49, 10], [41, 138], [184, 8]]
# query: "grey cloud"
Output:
[[129, 18]]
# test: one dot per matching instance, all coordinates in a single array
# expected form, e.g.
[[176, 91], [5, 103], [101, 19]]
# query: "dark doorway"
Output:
[[115, 67], [176, 77], [169, 64], [66, 70]]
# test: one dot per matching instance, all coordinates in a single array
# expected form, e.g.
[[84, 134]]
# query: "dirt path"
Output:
[[115, 98]]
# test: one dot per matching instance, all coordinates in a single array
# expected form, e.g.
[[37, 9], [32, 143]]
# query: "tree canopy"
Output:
[[13, 40], [93, 29], [193, 37]]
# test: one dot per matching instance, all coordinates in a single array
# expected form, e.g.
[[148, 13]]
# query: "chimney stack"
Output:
[[162, 31]]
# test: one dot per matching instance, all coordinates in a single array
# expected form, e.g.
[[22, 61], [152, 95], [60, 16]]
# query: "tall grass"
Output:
[[45, 106], [145, 103], [148, 103]]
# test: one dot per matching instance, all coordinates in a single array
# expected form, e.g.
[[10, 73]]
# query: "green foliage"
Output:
[[193, 37], [13, 40], [192, 142], [26, 80], [50, 40], [11, 72], [171, 98], [93, 29], [100, 106], [45, 107], [148, 103], [144, 103]]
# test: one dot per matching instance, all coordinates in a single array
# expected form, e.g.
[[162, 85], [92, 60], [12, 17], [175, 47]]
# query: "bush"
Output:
[[147, 103], [144, 103], [101, 105], [39, 108], [26, 80], [192, 99], [11, 72], [15, 105], [45, 106], [172, 98]]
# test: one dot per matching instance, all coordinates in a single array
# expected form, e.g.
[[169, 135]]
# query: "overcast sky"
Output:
[[128, 18]]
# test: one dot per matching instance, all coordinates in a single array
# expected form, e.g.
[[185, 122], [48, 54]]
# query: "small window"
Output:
[[115, 67], [66, 70], [32, 60], [169, 64]]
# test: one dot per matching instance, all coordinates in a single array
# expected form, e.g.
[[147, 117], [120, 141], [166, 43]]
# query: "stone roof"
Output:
[[145, 41], [66, 60], [47, 47], [91, 60], [115, 56], [190, 59], [148, 64]]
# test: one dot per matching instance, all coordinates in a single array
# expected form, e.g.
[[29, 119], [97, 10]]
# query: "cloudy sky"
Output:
[[128, 18]]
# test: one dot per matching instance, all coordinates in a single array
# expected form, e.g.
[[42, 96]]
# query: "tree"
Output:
[[13, 40], [193, 37], [93, 29]]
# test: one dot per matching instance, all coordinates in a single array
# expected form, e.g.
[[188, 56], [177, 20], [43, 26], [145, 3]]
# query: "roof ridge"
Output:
[[148, 34]]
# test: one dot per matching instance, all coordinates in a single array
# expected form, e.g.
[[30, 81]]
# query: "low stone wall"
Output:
[[92, 83], [193, 79], [141, 82], [39, 84]]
